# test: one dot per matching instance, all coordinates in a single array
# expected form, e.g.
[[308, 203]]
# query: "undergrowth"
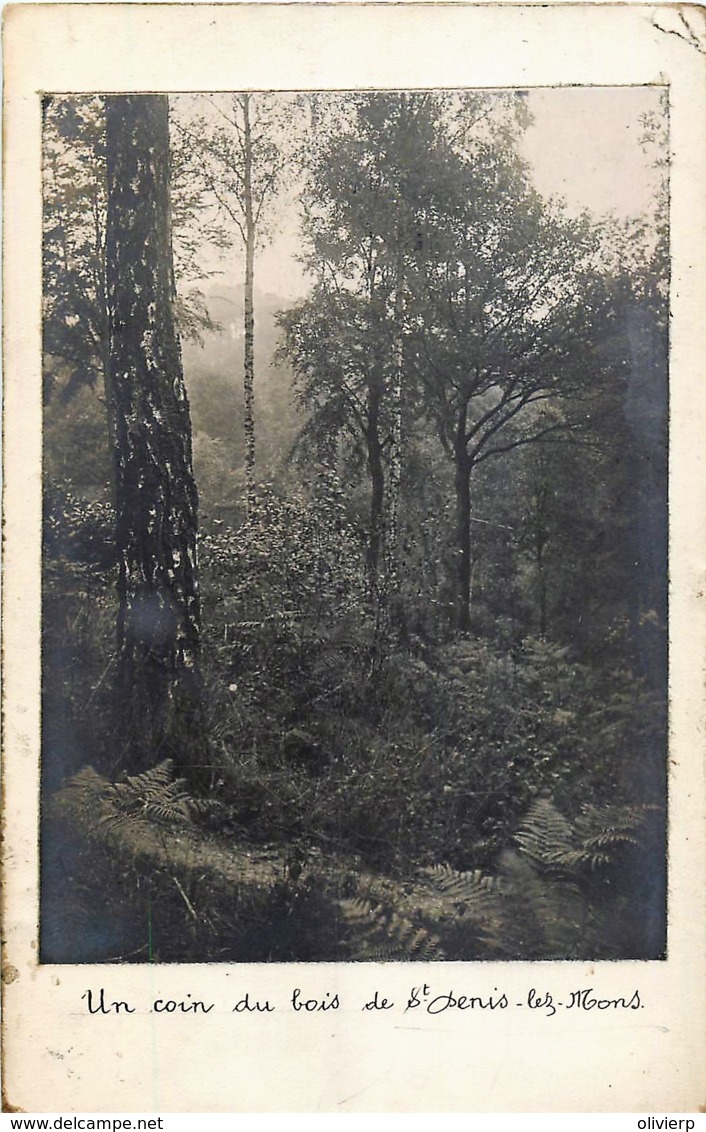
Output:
[[452, 796], [165, 890]]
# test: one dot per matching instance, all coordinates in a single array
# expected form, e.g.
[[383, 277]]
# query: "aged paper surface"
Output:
[[59, 1057]]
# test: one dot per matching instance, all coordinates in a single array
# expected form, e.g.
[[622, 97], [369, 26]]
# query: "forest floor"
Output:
[[133, 877], [470, 796]]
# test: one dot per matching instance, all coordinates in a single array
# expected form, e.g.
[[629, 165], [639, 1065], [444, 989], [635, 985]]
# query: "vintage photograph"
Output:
[[354, 541]]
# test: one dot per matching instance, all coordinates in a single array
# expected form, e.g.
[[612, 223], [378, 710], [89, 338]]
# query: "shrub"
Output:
[[78, 636], [78, 530]]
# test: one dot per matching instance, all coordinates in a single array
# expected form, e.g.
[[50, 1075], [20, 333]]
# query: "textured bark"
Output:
[[395, 473], [377, 478], [375, 388], [540, 542], [249, 311], [402, 235], [156, 503], [462, 597]]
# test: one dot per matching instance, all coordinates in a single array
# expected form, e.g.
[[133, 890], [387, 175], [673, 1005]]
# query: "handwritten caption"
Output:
[[425, 999]]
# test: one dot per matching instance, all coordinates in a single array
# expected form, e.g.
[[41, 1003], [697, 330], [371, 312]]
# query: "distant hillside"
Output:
[[214, 376]]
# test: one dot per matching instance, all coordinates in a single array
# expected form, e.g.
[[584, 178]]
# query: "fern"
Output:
[[596, 838], [154, 794], [380, 933], [546, 837], [561, 877], [567, 889], [547, 901], [443, 914], [472, 908], [471, 889], [156, 789], [604, 835]]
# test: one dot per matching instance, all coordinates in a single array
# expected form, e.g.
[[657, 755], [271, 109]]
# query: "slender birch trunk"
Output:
[[462, 483], [249, 313]]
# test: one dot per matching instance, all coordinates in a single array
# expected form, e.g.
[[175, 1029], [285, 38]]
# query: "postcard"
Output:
[[353, 624]]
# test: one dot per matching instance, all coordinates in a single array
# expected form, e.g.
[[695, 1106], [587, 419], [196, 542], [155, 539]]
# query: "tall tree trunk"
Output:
[[462, 480], [540, 541], [395, 461], [101, 285], [373, 443], [395, 457], [249, 300], [159, 616], [377, 479]]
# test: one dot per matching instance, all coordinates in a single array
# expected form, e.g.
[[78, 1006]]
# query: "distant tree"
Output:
[[446, 288], [241, 142], [159, 616], [339, 345], [502, 327], [379, 172]]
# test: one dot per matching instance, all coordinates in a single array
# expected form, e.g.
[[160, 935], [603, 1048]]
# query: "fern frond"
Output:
[[603, 835], [462, 886], [154, 793], [156, 778], [546, 837], [380, 933], [470, 910]]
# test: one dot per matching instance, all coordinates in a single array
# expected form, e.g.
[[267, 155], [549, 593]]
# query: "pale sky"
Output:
[[584, 146]]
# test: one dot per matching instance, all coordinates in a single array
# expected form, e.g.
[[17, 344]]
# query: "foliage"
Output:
[[78, 650], [448, 291], [188, 895], [436, 751], [433, 757], [77, 529], [75, 441], [380, 778], [74, 321], [287, 593], [75, 331]]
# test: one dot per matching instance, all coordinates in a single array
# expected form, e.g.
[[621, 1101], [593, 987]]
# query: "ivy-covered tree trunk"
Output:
[[158, 683]]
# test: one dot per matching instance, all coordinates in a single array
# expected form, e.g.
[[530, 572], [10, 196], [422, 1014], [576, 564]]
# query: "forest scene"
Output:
[[354, 609]]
